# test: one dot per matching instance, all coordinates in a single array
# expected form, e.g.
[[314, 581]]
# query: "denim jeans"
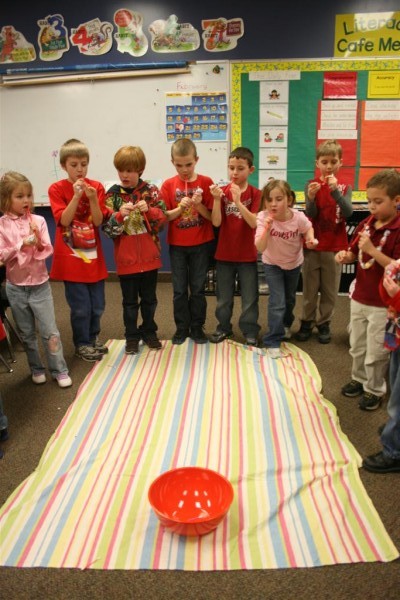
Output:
[[189, 266], [281, 302], [3, 418], [248, 281], [32, 305], [390, 437], [135, 286], [87, 303]]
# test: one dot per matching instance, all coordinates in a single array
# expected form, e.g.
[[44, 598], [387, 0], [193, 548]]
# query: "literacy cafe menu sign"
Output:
[[367, 34]]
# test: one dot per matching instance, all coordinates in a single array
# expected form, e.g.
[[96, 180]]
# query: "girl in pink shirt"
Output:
[[279, 237], [24, 246]]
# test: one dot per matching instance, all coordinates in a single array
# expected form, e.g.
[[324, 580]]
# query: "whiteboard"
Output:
[[104, 114]]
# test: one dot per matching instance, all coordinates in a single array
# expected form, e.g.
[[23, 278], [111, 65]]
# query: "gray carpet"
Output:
[[35, 411]]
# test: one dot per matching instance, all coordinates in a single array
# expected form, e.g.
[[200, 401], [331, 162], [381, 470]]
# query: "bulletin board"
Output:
[[283, 110], [106, 114]]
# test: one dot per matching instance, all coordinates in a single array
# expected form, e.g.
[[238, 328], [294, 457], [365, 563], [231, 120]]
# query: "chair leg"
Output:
[[11, 327], [5, 363]]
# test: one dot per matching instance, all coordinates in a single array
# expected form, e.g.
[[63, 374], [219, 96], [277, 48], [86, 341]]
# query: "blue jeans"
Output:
[[281, 302], [248, 281], [189, 266], [133, 287], [32, 305], [390, 437], [87, 303]]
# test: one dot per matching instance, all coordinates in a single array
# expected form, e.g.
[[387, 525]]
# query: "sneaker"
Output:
[[219, 336], [288, 334], [381, 463], [305, 331], [100, 347], [4, 435], [198, 336], [88, 353], [152, 342], [132, 347], [324, 333], [251, 340], [352, 389], [274, 353], [63, 380], [1, 454], [369, 401], [39, 378], [179, 337]]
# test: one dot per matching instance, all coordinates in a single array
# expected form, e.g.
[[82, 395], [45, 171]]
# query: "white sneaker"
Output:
[[64, 380], [288, 333], [39, 378], [274, 353]]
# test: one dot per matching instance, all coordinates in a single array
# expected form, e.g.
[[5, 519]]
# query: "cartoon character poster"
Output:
[[171, 36], [221, 34], [14, 48], [52, 38], [129, 36], [93, 38]]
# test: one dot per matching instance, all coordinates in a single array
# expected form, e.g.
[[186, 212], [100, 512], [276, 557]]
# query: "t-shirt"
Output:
[[236, 237], [190, 228], [71, 263], [285, 244]]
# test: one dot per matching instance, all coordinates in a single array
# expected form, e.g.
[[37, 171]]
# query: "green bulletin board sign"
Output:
[[305, 95]]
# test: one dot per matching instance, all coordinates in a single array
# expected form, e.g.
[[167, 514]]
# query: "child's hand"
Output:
[[312, 243], [341, 256], [268, 222], [331, 182], [365, 244], [186, 202], [197, 196], [235, 191], [312, 189], [126, 208], [90, 192], [216, 191], [79, 187], [142, 206], [390, 285]]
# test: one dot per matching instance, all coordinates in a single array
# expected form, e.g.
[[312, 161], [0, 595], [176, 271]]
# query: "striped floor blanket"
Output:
[[263, 423]]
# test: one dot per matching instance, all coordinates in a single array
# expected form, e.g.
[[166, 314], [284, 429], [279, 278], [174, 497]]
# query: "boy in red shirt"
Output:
[[190, 236], [77, 204], [328, 204]]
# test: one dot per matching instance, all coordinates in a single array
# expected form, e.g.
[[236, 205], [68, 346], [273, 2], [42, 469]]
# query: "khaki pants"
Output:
[[320, 274], [370, 358]]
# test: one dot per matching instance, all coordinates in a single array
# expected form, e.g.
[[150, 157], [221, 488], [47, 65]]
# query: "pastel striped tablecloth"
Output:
[[263, 423]]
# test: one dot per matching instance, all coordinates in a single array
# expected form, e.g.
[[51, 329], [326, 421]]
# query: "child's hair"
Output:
[[271, 185], [244, 153], [387, 178], [329, 148], [292, 198], [73, 147], [130, 158], [8, 182], [183, 147]]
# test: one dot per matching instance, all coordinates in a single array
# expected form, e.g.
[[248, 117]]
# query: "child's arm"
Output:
[[262, 235], [197, 200], [91, 194], [216, 214], [345, 257], [342, 200], [310, 192], [365, 245], [310, 241], [249, 217]]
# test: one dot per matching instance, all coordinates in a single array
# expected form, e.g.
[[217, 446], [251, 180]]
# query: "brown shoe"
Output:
[[153, 342], [132, 347]]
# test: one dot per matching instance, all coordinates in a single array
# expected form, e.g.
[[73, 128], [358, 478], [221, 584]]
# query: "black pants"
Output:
[[139, 291]]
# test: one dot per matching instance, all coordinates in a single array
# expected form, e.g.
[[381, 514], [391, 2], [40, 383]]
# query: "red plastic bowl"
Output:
[[190, 500]]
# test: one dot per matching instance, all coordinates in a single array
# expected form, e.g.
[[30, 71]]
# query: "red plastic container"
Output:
[[190, 500]]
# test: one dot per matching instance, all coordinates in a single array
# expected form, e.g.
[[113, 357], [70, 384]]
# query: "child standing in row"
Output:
[[279, 237], [24, 246], [138, 213], [190, 236], [234, 212], [78, 208], [328, 204], [375, 242]]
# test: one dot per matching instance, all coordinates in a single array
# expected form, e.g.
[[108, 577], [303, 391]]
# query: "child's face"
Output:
[[76, 168], [277, 204], [239, 170], [185, 165], [328, 165], [380, 205], [129, 178], [21, 200]]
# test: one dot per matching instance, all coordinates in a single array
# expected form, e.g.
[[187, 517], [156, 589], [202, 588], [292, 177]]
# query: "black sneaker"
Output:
[[132, 347], [381, 463], [305, 331], [324, 333], [152, 342], [100, 347], [198, 336], [219, 336], [352, 389], [88, 353], [251, 340], [369, 401], [4, 435], [179, 337]]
